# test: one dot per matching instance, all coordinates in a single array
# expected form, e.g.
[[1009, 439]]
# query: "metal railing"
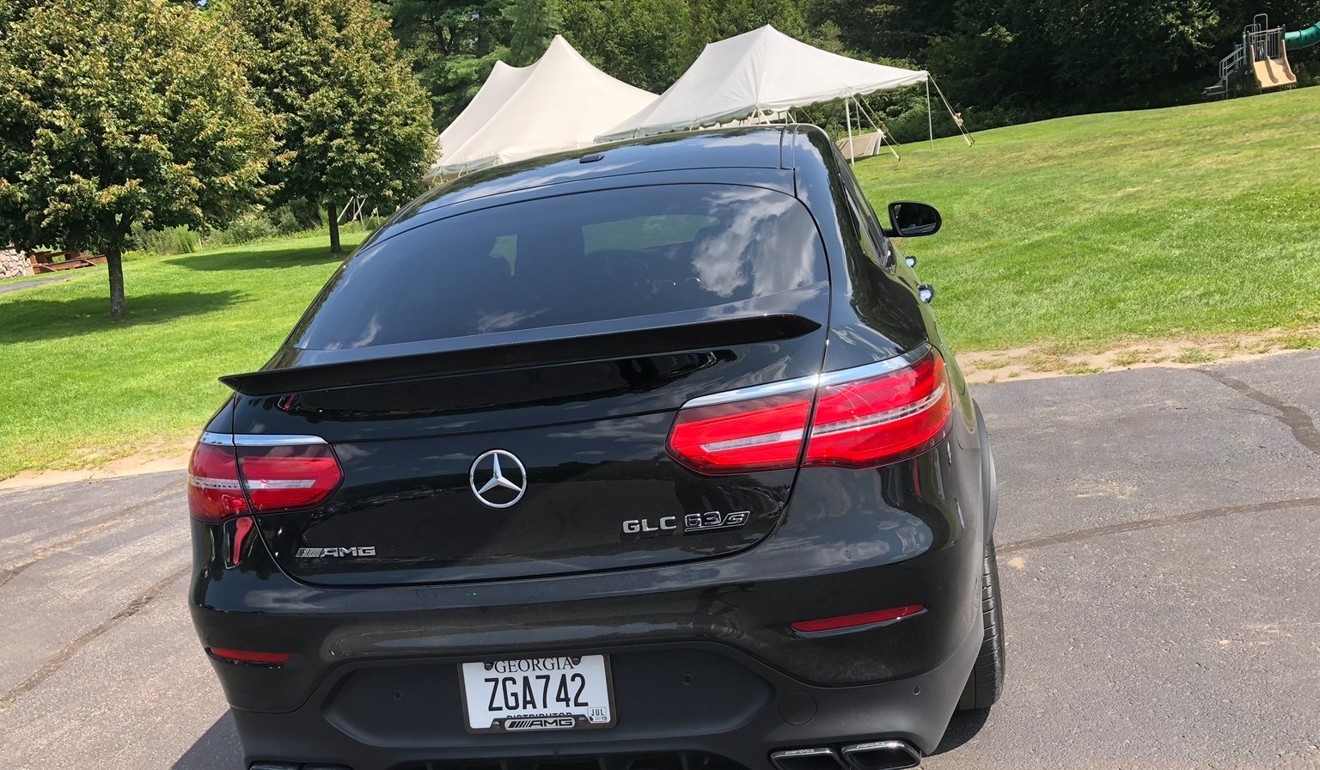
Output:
[[1232, 63], [1265, 43]]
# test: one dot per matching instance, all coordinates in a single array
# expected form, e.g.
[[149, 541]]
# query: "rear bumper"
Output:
[[700, 700], [702, 653]]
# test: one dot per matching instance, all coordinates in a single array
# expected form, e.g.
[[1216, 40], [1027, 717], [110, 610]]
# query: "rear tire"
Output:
[[987, 678]]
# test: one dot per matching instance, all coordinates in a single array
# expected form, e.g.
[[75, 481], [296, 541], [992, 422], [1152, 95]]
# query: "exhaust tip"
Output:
[[881, 755], [807, 759]]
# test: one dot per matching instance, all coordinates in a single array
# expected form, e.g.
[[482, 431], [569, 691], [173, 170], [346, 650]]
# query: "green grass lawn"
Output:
[[1083, 232], [80, 389], [1090, 231]]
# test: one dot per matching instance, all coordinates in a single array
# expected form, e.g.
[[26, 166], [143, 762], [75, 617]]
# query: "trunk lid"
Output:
[[576, 413]]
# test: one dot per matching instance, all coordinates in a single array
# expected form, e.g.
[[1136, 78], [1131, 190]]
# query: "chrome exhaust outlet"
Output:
[[881, 755], [806, 759]]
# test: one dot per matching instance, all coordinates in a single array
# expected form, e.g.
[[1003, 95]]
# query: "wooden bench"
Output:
[[44, 261]]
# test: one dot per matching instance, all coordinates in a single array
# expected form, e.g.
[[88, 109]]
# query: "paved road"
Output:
[[40, 280], [1158, 536]]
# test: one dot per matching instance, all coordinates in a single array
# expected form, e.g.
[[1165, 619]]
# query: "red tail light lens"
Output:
[[214, 491], [863, 419], [880, 420], [234, 475], [282, 477], [752, 435]]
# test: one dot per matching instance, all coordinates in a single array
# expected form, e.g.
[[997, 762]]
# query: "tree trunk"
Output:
[[333, 211], [115, 266]]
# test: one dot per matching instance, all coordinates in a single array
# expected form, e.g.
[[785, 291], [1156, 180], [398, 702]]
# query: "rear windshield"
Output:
[[570, 259]]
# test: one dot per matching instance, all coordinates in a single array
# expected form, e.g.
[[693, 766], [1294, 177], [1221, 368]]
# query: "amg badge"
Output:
[[321, 553]]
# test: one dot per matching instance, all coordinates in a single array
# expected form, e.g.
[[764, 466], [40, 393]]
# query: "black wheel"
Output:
[[987, 679]]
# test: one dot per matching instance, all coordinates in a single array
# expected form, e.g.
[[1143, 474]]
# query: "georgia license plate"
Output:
[[556, 693]]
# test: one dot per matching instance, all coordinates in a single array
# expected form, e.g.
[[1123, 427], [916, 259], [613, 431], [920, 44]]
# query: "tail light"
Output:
[[864, 417], [236, 475]]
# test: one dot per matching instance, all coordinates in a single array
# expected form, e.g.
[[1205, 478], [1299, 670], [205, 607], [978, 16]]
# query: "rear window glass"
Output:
[[571, 259]]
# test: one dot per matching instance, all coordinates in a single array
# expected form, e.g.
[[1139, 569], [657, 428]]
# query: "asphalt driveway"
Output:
[[1159, 540]]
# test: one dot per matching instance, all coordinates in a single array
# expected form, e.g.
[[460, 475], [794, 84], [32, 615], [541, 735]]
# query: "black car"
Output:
[[645, 457]]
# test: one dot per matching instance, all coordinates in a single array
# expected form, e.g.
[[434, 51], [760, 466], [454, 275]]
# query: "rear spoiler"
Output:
[[627, 344]]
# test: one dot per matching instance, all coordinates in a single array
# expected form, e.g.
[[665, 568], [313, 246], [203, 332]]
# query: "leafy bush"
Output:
[[171, 241], [254, 226]]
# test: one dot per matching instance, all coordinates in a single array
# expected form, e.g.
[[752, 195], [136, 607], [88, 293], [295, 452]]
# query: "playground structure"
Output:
[[1260, 61]]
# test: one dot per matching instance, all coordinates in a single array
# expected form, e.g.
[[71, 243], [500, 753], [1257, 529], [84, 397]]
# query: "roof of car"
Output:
[[752, 147]]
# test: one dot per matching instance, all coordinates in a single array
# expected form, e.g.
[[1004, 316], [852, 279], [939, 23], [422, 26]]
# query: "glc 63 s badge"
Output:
[[692, 523]]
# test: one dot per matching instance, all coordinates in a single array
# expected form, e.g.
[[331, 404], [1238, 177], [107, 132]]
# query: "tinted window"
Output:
[[570, 259], [869, 231]]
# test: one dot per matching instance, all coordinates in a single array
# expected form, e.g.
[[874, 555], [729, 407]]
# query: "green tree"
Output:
[[452, 44], [642, 42], [533, 23], [713, 20], [350, 118], [115, 113]]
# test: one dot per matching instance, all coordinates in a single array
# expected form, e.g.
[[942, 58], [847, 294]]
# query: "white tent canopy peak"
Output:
[[561, 102], [755, 73]]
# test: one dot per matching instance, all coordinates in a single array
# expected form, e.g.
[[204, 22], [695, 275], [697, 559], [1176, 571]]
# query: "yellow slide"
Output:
[[1273, 73]]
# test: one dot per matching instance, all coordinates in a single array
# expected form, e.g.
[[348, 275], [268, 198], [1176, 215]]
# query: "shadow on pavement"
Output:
[[962, 728], [217, 749]]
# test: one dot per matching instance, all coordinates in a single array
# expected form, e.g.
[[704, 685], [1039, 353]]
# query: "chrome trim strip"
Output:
[[756, 391], [914, 757], [216, 439], [258, 440], [876, 369], [254, 439], [814, 381]]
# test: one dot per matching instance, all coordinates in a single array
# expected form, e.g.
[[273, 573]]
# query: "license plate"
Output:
[[569, 692]]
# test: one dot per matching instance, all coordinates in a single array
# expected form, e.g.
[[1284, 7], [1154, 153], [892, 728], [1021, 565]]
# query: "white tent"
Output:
[[559, 103], [755, 74]]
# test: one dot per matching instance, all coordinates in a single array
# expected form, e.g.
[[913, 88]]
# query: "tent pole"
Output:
[[879, 126], [957, 119], [885, 132], [930, 117], [847, 117]]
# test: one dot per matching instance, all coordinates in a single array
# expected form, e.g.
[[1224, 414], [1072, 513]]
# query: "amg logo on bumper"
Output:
[[540, 723], [321, 553]]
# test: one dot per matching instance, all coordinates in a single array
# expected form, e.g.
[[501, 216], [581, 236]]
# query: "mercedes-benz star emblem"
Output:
[[498, 478]]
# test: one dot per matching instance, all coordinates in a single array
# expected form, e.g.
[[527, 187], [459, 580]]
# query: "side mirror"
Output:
[[911, 219]]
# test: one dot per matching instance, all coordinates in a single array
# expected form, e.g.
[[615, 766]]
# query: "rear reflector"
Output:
[[250, 656], [858, 620], [234, 475], [864, 417]]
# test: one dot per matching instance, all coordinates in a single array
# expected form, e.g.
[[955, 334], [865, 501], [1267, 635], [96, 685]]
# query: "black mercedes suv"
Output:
[[646, 457]]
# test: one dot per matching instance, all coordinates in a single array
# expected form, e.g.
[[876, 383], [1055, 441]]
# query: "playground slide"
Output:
[[1303, 38], [1272, 73]]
